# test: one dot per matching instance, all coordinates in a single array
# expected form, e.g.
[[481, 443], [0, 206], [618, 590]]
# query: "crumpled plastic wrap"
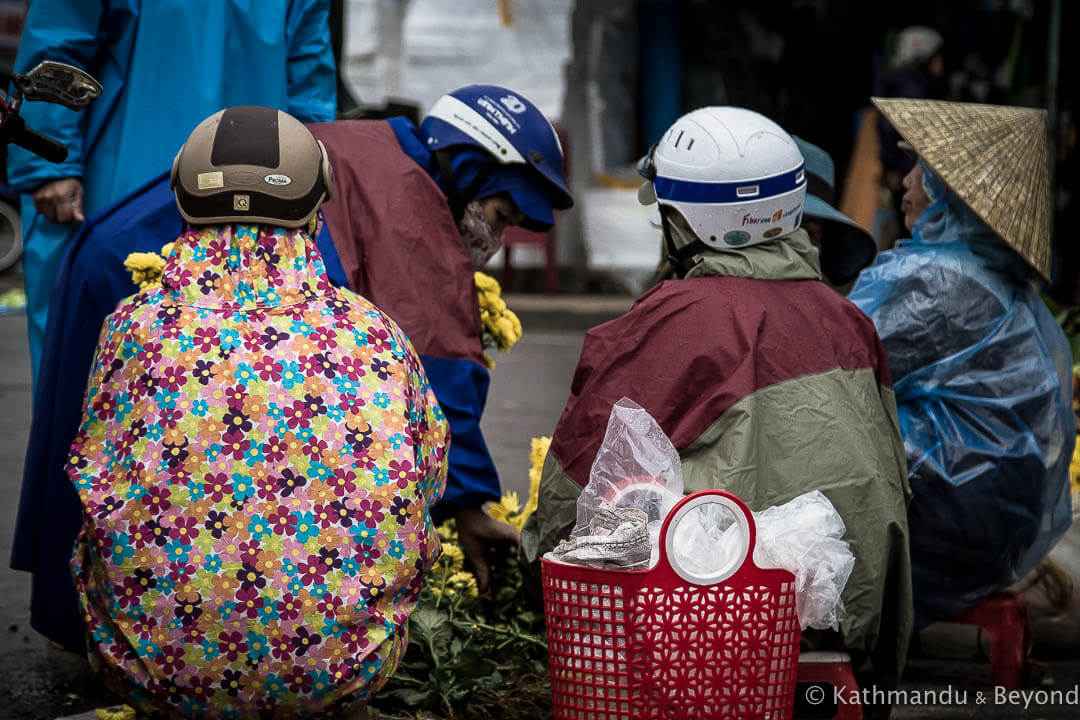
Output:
[[618, 538], [636, 466], [802, 536]]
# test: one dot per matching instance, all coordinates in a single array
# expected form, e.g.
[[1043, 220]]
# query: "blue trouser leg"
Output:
[[44, 244]]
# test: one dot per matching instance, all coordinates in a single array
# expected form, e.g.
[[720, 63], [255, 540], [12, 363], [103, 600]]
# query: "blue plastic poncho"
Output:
[[164, 66], [983, 383]]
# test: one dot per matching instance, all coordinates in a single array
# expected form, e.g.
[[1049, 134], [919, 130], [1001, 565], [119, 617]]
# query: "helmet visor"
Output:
[[535, 205], [528, 192]]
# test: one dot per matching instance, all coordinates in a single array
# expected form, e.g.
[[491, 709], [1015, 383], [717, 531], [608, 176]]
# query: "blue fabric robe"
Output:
[[164, 65]]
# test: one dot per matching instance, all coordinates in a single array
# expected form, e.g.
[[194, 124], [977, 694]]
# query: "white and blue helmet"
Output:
[[734, 175]]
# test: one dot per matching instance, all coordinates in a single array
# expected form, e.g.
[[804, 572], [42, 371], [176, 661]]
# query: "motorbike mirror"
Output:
[[60, 83]]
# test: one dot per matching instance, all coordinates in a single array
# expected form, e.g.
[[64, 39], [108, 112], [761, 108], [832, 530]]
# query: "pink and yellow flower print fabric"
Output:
[[258, 454]]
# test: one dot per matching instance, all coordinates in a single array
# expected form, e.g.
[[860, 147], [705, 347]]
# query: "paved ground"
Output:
[[529, 388]]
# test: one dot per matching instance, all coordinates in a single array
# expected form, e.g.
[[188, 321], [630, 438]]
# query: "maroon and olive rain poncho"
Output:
[[770, 385]]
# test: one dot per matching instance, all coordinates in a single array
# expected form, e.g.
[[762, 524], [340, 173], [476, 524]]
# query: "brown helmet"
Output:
[[251, 164]]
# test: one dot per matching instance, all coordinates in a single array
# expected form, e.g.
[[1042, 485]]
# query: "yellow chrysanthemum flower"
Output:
[[453, 557], [537, 454], [507, 510], [167, 248], [501, 327], [145, 268], [447, 533], [146, 262], [493, 303], [486, 283], [504, 334], [462, 582], [1074, 476], [119, 712]]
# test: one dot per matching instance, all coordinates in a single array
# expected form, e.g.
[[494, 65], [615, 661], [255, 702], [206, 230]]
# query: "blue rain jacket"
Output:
[[164, 66], [983, 382]]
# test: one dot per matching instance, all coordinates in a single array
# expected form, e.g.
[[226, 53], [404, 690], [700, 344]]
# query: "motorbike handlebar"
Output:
[[30, 139]]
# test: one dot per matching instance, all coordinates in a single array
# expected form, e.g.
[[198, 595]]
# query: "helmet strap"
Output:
[[681, 259], [458, 198]]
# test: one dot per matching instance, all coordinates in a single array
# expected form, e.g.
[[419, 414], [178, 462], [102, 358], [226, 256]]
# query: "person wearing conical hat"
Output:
[[982, 372]]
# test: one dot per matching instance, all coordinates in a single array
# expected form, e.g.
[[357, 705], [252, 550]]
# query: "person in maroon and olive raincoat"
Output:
[[768, 382]]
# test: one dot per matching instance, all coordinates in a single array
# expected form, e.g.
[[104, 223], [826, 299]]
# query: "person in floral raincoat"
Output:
[[257, 458]]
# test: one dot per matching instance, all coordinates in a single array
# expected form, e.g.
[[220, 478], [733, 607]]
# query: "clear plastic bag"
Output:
[[636, 467], [802, 536], [634, 481]]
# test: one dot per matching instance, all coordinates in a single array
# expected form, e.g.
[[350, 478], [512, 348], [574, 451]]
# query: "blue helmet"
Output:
[[524, 157]]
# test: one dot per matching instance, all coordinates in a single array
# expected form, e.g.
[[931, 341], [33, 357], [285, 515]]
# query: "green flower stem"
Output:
[[442, 588], [513, 634], [434, 655]]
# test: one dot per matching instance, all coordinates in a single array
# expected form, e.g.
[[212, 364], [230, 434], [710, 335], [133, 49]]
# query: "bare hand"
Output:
[[476, 532], [60, 201]]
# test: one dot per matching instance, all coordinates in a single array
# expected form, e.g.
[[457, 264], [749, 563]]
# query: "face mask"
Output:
[[480, 242]]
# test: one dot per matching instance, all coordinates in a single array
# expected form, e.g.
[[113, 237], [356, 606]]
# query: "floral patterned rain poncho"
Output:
[[258, 454]]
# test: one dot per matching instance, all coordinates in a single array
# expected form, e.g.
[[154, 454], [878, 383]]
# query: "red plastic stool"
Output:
[[833, 669], [1004, 618]]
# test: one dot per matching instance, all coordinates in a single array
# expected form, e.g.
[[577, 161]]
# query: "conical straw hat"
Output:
[[993, 157]]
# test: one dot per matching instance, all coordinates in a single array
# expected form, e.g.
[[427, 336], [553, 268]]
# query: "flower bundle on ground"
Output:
[[501, 328], [473, 655]]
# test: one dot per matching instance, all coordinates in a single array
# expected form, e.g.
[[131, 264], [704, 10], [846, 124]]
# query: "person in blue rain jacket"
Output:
[[164, 65], [981, 370]]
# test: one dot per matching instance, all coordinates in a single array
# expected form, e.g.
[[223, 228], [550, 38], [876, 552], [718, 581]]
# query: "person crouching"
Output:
[[257, 456]]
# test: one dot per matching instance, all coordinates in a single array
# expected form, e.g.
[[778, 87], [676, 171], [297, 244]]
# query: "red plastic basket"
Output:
[[669, 643]]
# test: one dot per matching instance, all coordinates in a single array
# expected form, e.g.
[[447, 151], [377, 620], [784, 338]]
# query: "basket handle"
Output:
[[743, 519]]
